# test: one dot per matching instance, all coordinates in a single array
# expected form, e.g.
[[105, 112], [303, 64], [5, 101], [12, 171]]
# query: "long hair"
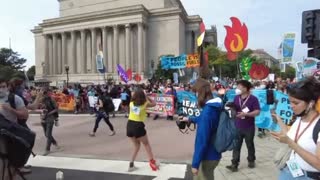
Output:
[[138, 97], [306, 90], [203, 88]]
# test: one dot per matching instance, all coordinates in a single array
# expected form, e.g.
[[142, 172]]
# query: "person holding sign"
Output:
[[303, 136], [205, 157], [136, 129], [247, 108]]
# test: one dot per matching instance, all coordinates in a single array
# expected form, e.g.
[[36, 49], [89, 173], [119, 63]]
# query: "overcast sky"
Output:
[[267, 21]]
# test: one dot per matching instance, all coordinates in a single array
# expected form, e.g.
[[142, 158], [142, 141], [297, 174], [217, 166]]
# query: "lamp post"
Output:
[[66, 67]]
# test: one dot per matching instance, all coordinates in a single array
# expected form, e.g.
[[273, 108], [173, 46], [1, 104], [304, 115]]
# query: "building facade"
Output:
[[131, 33], [266, 58]]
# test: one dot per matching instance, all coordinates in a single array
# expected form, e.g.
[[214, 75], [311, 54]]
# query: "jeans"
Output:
[[105, 117], [47, 128], [248, 136], [286, 175], [206, 170]]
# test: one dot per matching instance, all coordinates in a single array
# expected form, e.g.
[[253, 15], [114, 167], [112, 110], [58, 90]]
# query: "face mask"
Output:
[[304, 112], [263, 86], [234, 87], [238, 91], [3, 92]]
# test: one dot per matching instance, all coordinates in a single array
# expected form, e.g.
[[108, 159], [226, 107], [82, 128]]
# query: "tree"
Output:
[[31, 73], [11, 64], [10, 58]]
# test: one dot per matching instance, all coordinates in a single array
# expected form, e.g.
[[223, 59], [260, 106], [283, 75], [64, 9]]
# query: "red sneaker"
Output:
[[153, 165]]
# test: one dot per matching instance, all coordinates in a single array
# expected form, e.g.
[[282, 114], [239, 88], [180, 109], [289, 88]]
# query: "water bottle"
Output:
[[59, 175]]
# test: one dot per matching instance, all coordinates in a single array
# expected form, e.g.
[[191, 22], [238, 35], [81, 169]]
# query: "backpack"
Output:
[[225, 138], [270, 97], [315, 132], [19, 141], [108, 105], [11, 100], [50, 106]]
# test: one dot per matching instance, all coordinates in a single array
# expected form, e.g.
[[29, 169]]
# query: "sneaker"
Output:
[[154, 166], [260, 135], [251, 165], [92, 134], [46, 153], [132, 167], [25, 170], [112, 133], [232, 168]]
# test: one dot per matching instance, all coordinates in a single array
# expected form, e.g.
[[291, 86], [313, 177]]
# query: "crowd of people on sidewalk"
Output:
[[303, 153]]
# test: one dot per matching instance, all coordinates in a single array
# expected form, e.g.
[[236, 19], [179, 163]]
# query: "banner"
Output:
[[122, 73], [164, 104], [175, 78], [264, 120], [187, 104], [64, 102], [99, 61], [193, 60], [92, 101], [169, 62], [288, 47], [116, 103]]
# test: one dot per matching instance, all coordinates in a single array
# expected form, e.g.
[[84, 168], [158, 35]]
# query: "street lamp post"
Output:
[[66, 67]]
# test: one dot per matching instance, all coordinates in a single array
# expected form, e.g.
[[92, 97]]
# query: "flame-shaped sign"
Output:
[[236, 39]]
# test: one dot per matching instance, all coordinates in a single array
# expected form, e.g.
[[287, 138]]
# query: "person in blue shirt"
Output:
[[205, 157]]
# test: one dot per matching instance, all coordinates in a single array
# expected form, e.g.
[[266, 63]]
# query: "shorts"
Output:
[[136, 129], [125, 103]]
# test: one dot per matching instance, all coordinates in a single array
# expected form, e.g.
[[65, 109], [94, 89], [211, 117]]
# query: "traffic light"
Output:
[[310, 26]]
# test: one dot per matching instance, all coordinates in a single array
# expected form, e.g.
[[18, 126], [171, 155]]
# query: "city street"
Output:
[[105, 157]]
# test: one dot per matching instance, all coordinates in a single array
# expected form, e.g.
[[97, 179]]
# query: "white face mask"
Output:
[[262, 86], [238, 91]]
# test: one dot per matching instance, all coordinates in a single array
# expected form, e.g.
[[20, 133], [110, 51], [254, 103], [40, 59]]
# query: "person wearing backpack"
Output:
[[303, 136], [11, 114], [247, 108], [48, 120], [205, 157], [104, 107]]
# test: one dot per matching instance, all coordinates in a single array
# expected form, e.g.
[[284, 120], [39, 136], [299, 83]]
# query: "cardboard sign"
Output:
[[187, 104], [193, 60]]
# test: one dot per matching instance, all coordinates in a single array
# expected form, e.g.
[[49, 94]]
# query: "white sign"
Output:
[[116, 103]]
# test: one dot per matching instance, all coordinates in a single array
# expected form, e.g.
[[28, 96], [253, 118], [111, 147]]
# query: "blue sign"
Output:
[[169, 62], [187, 104]]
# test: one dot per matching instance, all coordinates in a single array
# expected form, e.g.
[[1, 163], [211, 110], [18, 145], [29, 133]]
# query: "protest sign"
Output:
[[64, 102], [93, 101], [164, 104], [169, 62], [187, 104], [193, 60], [116, 103]]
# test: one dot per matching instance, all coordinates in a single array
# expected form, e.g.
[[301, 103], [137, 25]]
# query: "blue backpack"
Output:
[[225, 138]]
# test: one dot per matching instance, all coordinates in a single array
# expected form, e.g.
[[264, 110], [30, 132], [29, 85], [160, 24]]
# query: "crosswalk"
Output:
[[167, 171]]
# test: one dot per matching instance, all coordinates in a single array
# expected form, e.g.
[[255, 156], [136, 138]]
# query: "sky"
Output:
[[267, 21]]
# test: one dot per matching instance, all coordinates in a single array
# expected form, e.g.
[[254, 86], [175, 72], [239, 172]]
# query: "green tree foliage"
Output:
[[11, 64], [31, 73], [289, 73]]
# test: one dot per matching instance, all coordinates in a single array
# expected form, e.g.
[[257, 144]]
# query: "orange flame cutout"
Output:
[[236, 39]]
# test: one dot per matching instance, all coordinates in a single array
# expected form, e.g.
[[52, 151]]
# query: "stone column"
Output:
[[46, 69], [104, 49], [140, 47], [73, 61], [64, 52], [145, 64], [93, 50], [115, 47], [128, 46], [54, 55], [83, 62]]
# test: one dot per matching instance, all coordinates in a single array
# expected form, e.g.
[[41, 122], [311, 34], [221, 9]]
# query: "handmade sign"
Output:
[[193, 60], [245, 66], [236, 39], [164, 104], [259, 71], [288, 47], [187, 104]]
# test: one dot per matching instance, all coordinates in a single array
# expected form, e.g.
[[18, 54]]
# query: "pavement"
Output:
[[107, 157]]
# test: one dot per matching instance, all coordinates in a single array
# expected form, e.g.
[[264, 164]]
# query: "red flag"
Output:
[[129, 73]]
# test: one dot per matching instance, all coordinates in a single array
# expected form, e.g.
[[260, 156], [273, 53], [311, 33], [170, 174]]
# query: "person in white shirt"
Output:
[[300, 138]]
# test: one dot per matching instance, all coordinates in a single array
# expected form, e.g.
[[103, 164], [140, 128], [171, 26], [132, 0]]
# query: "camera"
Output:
[[185, 126]]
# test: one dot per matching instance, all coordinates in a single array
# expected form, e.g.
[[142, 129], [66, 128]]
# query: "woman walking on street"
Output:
[[136, 129]]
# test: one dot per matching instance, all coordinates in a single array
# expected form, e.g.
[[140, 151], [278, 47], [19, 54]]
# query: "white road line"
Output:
[[166, 171]]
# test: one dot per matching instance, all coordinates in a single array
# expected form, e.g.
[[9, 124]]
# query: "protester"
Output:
[[125, 100], [136, 128], [205, 157], [305, 149], [12, 114], [247, 107], [49, 117], [102, 114]]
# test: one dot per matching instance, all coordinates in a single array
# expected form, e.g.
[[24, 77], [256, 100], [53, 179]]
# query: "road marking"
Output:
[[166, 171]]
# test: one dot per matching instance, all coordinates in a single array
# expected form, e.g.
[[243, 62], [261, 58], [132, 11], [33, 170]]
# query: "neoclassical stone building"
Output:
[[128, 32]]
